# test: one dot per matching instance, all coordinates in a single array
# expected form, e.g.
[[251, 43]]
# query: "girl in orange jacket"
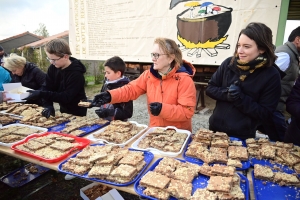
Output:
[[171, 93]]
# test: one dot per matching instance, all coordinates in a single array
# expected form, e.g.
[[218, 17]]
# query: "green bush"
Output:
[[86, 76], [99, 76], [35, 56]]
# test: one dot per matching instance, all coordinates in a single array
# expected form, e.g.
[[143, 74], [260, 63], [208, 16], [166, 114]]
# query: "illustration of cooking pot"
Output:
[[203, 27]]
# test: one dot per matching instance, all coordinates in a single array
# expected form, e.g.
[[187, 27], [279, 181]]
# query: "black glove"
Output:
[[234, 93], [101, 99], [34, 95], [48, 111], [155, 108], [105, 112]]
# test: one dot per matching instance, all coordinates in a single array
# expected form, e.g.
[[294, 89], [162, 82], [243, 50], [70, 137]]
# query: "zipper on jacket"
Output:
[[161, 86]]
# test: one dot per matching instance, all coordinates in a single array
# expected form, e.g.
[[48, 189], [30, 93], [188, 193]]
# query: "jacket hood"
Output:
[[110, 85], [29, 67], [76, 65], [123, 79], [186, 67], [293, 49]]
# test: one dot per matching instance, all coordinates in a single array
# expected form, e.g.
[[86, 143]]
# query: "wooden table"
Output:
[[129, 189]]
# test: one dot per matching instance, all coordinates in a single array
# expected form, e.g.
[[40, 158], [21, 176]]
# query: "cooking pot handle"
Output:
[[230, 9]]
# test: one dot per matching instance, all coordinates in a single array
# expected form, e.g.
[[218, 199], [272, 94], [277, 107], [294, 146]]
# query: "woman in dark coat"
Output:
[[26, 73], [293, 107], [246, 86]]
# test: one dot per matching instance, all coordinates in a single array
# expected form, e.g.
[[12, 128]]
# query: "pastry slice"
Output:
[[161, 194], [203, 194], [154, 179], [262, 172], [220, 184], [234, 163], [180, 189]]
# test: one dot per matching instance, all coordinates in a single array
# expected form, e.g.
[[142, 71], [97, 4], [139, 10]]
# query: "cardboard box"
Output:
[[16, 91], [111, 195]]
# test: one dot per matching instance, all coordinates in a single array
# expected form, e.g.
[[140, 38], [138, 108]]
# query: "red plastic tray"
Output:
[[83, 142]]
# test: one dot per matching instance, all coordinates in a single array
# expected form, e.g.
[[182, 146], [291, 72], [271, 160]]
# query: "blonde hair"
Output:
[[14, 62], [169, 47]]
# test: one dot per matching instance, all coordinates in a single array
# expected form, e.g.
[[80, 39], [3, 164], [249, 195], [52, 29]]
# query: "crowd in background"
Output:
[[256, 88]]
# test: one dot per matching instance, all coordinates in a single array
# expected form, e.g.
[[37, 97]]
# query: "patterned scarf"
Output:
[[247, 68]]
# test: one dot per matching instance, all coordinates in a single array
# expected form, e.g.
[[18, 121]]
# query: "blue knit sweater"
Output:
[[4, 77]]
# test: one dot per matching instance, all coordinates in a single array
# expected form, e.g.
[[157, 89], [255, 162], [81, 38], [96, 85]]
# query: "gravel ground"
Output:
[[140, 113]]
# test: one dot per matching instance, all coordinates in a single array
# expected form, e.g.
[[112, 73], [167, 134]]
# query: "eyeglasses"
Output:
[[53, 60], [156, 55]]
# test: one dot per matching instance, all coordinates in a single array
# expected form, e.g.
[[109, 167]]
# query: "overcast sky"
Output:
[[19, 16]]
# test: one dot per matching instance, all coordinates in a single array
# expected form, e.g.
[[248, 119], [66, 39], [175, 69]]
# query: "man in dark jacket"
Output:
[[64, 81], [293, 107], [2, 54], [288, 62]]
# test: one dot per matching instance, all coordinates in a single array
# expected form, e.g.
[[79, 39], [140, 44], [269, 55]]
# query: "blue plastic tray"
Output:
[[17, 121], [58, 127], [245, 164], [266, 162], [200, 181], [148, 157], [266, 190], [86, 129], [21, 176]]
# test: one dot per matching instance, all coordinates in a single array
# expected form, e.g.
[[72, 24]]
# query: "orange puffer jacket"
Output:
[[176, 91]]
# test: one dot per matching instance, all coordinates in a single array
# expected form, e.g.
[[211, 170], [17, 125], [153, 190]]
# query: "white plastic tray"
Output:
[[44, 130], [156, 151], [98, 140], [14, 115]]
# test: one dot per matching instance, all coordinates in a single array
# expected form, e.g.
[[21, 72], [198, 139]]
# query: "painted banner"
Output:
[[206, 32]]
